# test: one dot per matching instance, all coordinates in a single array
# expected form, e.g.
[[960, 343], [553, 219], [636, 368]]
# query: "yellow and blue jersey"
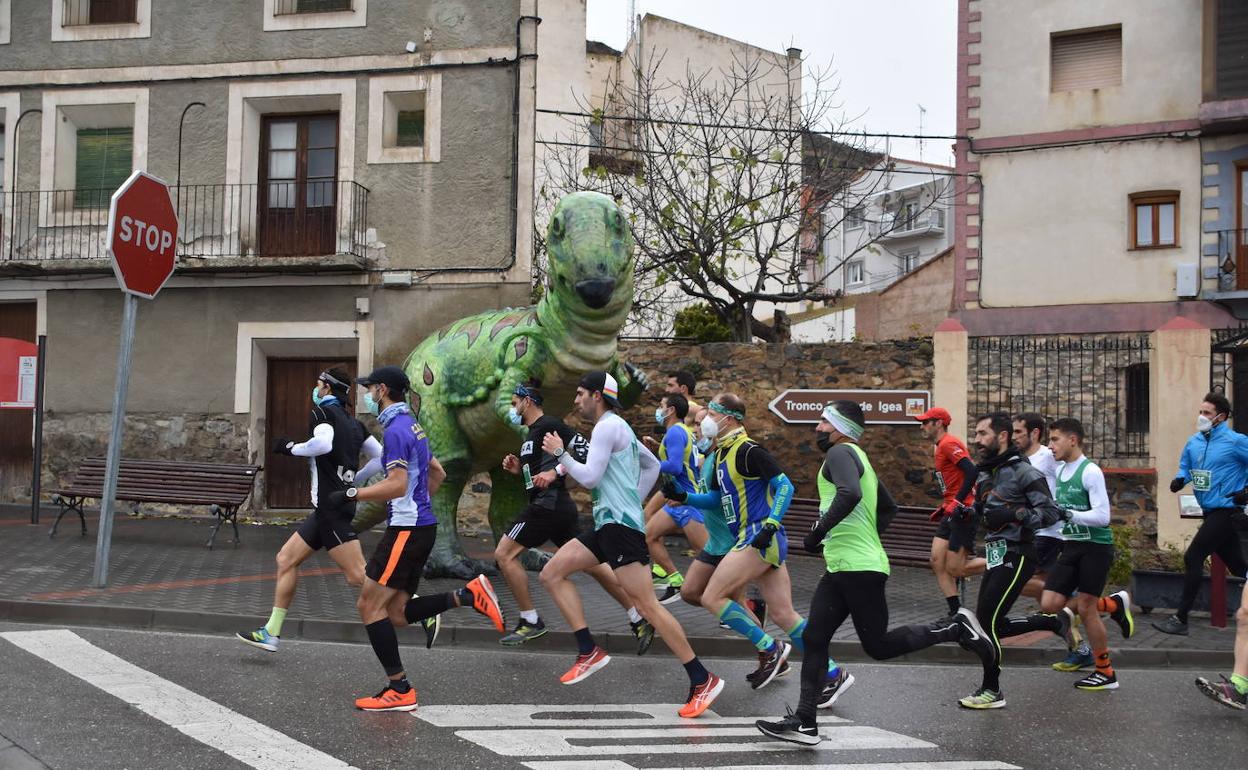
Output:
[[747, 497]]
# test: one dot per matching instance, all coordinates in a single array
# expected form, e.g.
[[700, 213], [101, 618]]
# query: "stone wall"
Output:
[[1133, 503], [759, 373]]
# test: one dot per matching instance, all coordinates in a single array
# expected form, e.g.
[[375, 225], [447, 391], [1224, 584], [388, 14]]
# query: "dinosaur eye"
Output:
[[556, 227]]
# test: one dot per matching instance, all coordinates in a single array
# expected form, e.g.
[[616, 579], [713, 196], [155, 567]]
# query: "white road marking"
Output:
[[616, 764], [594, 715], [556, 743], [208, 722]]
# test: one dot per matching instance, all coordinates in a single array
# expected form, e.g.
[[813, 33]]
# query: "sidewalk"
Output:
[[162, 577]]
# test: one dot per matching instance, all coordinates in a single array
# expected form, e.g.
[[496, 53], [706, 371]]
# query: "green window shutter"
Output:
[[104, 161], [411, 129]]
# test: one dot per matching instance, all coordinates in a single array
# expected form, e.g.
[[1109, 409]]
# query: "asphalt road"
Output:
[[199, 701]]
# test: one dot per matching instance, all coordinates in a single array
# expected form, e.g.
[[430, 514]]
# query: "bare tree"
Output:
[[730, 179]]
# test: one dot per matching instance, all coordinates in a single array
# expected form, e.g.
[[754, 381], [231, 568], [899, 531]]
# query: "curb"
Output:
[[150, 619]]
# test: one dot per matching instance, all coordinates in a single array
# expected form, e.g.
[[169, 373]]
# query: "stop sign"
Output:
[[142, 234]]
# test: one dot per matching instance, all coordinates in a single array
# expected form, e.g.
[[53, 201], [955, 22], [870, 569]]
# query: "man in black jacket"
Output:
[[1013, 500]]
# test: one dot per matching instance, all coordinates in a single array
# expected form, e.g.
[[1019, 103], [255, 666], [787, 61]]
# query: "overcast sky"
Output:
[[889, 56]]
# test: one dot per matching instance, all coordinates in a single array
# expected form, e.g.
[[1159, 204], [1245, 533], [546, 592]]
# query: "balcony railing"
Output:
[[281, 219], [901, 225], [80, 13], [1232, 260], [290, 7]]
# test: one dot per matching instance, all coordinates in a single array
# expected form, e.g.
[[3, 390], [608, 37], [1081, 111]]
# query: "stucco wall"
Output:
[[910, 308], [1055, 228], [1161, 64]]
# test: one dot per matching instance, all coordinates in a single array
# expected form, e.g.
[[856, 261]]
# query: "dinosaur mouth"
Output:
[[596, 292]]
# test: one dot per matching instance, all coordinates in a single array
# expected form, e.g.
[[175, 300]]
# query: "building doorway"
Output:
[[288, 482], [17, 421]]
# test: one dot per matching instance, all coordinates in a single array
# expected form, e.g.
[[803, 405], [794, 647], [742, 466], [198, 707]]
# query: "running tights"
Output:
[[998, 591], [1216, 535]]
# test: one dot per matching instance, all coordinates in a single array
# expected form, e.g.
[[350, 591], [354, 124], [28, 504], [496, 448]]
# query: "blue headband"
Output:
[[524, 391]]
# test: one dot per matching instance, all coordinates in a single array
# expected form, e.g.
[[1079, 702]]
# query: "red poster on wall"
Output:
[[18, 360]]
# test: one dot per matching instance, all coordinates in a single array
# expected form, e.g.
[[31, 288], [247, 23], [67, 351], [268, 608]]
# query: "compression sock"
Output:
[[795, 636], [633, 615], [423, 607], [734, 616], [386, 645], [276, 618], [1240, 683], [954, 603], [1102, 662], [1107, 604], [529, 616], [584, 641], [400, 685], [696, 671]]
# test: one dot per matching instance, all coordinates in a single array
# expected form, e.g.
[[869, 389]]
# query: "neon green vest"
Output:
[[854, 544]]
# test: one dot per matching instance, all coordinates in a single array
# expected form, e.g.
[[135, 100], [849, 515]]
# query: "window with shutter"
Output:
[[103, 161], [1085, 59]]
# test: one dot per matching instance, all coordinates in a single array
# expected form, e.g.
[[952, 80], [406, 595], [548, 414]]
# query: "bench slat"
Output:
[[166, 481]]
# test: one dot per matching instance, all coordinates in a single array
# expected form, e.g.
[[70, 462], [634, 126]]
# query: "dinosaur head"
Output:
[[591, 256]]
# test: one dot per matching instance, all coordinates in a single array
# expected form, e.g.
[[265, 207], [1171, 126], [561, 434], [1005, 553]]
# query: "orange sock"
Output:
[[1107, 604], [1102, 662]]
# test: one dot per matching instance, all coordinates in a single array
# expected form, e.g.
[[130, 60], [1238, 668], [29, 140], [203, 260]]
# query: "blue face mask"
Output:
[[704, 445], [317, 398], [658, 416], [514, 417], [371, 404]]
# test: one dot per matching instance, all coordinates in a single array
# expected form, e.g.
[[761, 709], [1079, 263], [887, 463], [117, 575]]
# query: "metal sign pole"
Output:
[[105, 534], [36, 475]]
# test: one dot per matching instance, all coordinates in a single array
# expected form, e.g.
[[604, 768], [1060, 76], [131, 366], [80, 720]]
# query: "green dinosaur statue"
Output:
[[463, 374]]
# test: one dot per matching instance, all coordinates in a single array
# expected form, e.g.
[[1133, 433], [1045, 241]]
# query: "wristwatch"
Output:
[[351, 492], [558, 452]]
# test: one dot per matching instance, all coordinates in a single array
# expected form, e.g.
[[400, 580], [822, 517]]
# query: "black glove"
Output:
[[282, 446], [1240, 497], [1001, 516], [762, 541], [813, 542], [672, 491], [1177, 484], [339, 498]]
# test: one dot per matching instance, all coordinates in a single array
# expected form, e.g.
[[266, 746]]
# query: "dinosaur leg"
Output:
[[507, 498], [448, 558]]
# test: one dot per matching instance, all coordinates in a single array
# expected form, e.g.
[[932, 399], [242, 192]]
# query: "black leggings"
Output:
[[859, 595], [1216, 535], [998, 591]]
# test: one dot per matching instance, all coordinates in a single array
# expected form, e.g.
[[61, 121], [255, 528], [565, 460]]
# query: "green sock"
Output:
[[675, 579], [274, 626], [1240, 683]]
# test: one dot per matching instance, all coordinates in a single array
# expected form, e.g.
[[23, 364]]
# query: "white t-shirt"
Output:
[[1043, 461]]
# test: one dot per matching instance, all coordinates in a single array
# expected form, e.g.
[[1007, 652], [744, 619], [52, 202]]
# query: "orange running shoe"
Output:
[[388, 700], [702, 696], [586, 665], [485, 601]]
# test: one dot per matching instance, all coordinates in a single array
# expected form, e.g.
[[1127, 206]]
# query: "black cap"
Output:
[[604, 384], [390, 376]]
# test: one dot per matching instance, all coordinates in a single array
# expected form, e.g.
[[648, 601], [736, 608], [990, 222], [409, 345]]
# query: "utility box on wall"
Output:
[[1187, 281]]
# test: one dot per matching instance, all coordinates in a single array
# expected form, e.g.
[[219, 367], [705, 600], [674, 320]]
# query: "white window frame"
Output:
[[77, 33], [861, 267], [382, 114], [855, 221], [6, 21], [50, 150], [11, 104], [905, 257], [356, 17]]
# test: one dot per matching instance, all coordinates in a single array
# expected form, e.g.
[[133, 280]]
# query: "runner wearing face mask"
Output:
[[679, 461], [1215, 463]]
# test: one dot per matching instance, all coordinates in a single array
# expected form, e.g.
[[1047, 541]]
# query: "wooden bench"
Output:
[[908, 539], [222, 487]]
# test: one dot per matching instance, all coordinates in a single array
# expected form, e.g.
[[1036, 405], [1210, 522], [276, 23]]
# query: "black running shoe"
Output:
[[525, 631], [1171, 625], [769, 664], [670, 594], [973, 638], [1223, 692], [644, 633], [790, 729], [1122, 616], [834, 687], [759, 608]]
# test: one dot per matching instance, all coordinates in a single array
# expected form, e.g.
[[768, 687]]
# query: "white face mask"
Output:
[[1203, 424], [710, 428]]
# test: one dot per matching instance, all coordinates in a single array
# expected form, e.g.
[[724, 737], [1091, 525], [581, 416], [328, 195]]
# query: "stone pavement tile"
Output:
[[13, 757], [162, 564]]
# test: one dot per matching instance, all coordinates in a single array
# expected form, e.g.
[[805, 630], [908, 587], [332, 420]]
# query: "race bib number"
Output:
[[940, 481], [995, 551], [528, 477], [1202, 481], [729, 510]]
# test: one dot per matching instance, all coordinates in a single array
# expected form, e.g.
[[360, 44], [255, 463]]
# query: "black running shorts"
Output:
[[1047, 551], [1082, 567], [712, 559], [616, 545], [400, 557], [959, 531], [536, 525], [327, 528]]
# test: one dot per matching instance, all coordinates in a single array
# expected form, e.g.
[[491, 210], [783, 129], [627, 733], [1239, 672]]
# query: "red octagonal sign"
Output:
[[142, 234]]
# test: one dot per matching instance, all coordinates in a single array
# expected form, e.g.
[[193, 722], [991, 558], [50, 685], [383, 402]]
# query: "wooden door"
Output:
[[17, 321], [288, 482], [298, 201]]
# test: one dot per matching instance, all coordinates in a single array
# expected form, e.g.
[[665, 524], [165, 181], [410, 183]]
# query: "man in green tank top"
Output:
[[854, 508], [1088, 551]]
